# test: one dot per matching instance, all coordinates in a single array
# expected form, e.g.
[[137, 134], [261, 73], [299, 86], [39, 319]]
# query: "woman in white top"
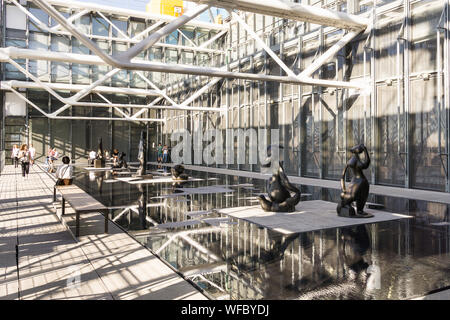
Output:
[[64, 173], [32, 154], [15, 155], [92, 156], [24, 157]]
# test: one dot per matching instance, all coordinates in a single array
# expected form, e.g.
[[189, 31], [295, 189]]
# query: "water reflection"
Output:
[[234, 259]]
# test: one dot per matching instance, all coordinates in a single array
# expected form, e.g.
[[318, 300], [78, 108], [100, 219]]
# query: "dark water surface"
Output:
[[235, 259]]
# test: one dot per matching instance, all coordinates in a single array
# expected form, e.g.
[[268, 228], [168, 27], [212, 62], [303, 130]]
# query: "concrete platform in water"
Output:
[[309, 216]]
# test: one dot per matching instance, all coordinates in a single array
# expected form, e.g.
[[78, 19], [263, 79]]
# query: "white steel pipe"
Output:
[[294, 11], [329, 54], [50, 116], [166, 30], [78, 87], [73, 101], [16, 53], [122, 62]]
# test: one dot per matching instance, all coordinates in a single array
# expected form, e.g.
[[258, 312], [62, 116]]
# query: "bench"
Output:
[[81, 202]]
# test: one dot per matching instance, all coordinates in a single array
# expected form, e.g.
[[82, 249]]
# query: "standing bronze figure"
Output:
[[142, 156], [279, 192], [358, 189], [99, 161]]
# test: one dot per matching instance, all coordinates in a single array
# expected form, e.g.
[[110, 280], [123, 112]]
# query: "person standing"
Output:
[[115, 156], [15, 155], [52, 158], [32, 154], [92, 156], [24, 157], [49, 155], [55, 155], [165, 158], [159, 150]]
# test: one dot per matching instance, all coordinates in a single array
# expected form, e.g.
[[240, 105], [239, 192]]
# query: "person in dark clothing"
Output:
[[115, 157], [24, 157]]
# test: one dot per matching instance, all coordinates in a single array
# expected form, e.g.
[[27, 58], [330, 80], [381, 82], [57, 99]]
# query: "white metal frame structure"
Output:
[[164, 26], [6, 56]]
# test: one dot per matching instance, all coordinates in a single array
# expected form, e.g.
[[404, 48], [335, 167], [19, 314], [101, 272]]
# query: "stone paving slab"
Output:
[[309, 216], [53, 265], [130, 272]]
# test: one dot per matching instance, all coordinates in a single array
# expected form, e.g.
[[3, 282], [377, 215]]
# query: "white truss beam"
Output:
[[294, 11], [134, 40], [307, 73], [51, 116], [78, 87], [121, 61], [74, 100], [145, 65]]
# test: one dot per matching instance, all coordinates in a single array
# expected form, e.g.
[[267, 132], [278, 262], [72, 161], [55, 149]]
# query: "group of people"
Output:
[[162, 153], [52, 156], [24, 156], [117, 158]]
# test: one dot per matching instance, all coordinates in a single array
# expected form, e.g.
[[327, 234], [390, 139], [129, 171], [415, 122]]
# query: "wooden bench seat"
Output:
[[81, 202]]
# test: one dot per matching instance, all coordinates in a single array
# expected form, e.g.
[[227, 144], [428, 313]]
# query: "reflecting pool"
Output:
[[231, 258]]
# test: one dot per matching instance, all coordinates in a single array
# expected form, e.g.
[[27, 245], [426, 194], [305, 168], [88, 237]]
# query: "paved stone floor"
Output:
[[51, 264]]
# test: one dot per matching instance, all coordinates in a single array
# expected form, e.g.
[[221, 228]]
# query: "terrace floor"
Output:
[[40, 258]]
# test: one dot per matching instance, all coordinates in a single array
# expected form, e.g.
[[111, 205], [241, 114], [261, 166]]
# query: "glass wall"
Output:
[[403, 117]]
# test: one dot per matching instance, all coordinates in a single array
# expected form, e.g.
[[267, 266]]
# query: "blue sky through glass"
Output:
[[140, 6]]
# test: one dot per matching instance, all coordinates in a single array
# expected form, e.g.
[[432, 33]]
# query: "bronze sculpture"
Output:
[[99, 161], [142, 156], [178, 173], [358, 189], [279, 192]]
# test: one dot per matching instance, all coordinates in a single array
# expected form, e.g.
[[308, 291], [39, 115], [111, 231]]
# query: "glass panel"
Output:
[[121, 78], [427, 170], [41, 16], [39, 68], [59, 70], [122, 25], [80, 72], [391, 164], [99, 26]]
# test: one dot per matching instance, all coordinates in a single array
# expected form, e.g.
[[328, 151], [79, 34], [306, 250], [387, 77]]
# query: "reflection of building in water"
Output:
[[240, 260], [249, 262]]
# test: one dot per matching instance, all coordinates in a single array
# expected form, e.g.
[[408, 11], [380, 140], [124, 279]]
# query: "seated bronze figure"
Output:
[[178, 173], [122, 162], [279, 192], [358, 189]]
